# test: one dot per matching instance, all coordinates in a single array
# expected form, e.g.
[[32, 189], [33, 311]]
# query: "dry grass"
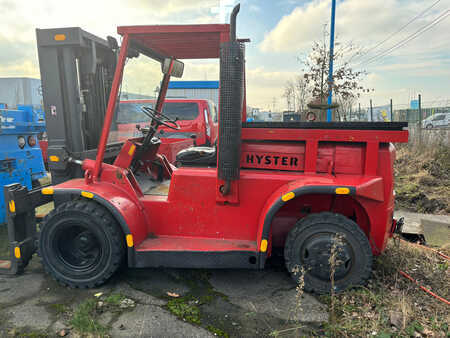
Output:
[[422, 179], [390, 305]]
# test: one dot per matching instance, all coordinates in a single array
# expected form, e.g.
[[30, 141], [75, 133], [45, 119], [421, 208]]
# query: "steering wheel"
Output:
[[161, 118]]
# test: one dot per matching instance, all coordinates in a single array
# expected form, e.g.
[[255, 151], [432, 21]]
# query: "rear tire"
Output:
[[308, 245], [81, 244]]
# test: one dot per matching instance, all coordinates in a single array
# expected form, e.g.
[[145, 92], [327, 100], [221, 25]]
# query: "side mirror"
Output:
[[177, 69]]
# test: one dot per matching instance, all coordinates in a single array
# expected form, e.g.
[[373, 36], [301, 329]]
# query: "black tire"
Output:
[[81, 244], [309, 244], [429, 126]]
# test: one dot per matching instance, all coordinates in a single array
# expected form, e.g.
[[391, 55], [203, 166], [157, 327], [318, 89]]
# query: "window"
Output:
[[439, 117], [131, 112], [213, 110]]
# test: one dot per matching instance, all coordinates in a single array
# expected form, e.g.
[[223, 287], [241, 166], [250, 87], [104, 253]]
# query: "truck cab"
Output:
[[197, 119]]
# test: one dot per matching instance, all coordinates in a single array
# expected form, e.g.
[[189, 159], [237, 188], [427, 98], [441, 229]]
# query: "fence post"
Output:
[[392, 113], [419, 129]]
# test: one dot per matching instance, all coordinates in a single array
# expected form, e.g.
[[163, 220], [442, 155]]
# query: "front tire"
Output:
[[81, 244], [309, 245]]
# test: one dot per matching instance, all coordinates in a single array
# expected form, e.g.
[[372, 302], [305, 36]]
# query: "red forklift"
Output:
[[282, 186]]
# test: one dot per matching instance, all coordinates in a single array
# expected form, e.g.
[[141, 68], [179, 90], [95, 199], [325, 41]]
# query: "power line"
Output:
[[417, 33], [398, 31]]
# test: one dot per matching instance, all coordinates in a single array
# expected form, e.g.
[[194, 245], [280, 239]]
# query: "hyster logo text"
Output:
[[272, 160]]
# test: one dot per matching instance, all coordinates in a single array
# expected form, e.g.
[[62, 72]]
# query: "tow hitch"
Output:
[[22, 233], [408, 236]]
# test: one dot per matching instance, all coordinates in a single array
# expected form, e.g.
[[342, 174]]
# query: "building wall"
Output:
[[20, 90]]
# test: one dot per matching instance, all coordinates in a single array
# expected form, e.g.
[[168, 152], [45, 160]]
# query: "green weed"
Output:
[[84, 318]]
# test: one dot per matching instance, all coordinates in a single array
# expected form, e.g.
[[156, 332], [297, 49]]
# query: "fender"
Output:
[[128, 213], [369, 188]]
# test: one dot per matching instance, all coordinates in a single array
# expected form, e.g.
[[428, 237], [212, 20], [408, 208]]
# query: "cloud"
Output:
[[264, 85], [168, 7], [365, 22], [297, 29]]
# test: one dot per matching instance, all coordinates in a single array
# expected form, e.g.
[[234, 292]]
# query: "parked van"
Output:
[[436, 121]]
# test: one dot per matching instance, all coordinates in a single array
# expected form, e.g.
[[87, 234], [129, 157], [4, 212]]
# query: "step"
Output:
[[195, 244]]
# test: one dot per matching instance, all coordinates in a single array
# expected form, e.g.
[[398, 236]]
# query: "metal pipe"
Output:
[[111, 107], [233, 16], [330, 71]]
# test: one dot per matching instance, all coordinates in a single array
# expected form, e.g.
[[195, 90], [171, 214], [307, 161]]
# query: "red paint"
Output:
[[43, 144], [181, 41]]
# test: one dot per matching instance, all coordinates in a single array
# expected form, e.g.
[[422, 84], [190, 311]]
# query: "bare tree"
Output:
[[301, 93], [346, 83], [345, 107], [289, 94]]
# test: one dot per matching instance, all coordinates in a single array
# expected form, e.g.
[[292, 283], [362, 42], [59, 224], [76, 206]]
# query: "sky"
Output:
[[281, 33]]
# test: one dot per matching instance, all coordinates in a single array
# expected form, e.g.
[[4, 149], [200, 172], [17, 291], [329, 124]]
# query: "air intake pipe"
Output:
[[231, 101]]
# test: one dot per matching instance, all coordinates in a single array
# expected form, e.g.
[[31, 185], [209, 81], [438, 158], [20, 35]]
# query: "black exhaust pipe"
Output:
[[231, 101], [233, 17]]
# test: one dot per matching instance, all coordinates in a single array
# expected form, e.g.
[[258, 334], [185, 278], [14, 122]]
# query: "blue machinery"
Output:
[[20, 155]]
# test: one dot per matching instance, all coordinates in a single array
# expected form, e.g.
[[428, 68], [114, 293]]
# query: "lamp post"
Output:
[[330, 71]]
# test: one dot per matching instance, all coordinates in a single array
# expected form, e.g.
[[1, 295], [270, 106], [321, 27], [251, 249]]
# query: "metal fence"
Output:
[[428, 137]]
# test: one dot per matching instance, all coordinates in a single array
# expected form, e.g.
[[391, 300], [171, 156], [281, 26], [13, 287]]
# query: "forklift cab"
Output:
[[168, 45]]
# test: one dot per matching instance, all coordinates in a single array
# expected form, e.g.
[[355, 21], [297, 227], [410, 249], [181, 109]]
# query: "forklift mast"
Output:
[[76, 72]]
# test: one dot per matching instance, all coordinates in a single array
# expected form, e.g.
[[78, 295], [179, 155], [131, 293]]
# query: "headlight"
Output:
[[21, 142], [31, 141]]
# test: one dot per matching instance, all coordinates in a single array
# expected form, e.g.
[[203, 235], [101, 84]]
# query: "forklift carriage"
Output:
[[287, 185]]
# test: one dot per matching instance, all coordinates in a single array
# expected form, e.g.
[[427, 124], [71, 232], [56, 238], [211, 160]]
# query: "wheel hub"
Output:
[[316, 254], [78, 247]]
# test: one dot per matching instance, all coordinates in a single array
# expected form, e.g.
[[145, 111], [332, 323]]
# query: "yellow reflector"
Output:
[[342, 191], [47, 191], [60, 37], [12, 206], [17, 252], [131, 150], [263, 247], [54, 158], [87, 194], [288, 196], [130, 240]]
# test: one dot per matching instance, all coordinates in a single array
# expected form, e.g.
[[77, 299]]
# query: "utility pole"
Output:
[[371, 111], [359, 111], [330, 71]]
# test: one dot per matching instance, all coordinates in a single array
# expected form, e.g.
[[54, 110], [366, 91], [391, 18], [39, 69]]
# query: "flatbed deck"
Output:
[[394, 126]]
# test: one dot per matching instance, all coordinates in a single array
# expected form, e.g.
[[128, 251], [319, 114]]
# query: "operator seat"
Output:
[[197, 157]]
